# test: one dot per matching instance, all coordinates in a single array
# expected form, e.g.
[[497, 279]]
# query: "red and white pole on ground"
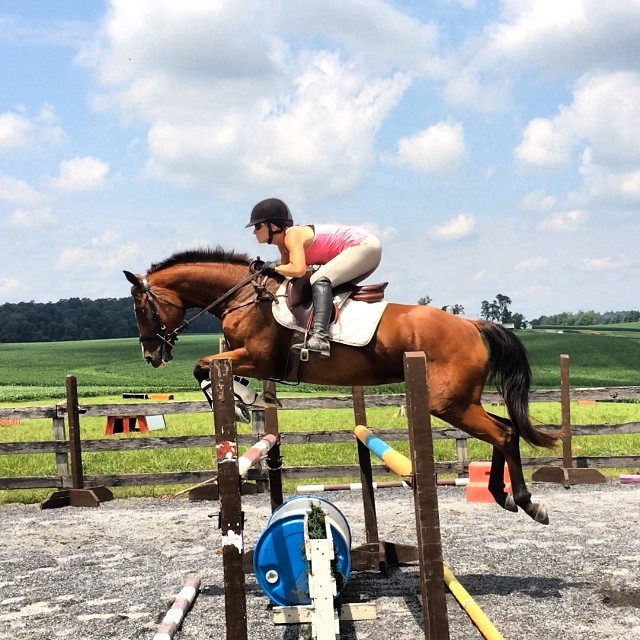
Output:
[[250, 457], [174, 617], [357, 486]]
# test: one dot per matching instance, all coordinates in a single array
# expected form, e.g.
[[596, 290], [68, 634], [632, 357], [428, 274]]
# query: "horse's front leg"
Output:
[[244, 395]]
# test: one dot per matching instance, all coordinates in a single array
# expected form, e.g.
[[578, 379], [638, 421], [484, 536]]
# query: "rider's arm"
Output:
[[294, 241]]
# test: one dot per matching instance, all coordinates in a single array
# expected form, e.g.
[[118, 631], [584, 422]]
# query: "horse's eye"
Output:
[[141, 311]]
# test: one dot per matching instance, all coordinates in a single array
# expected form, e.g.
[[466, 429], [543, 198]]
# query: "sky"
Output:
[[494, 147]]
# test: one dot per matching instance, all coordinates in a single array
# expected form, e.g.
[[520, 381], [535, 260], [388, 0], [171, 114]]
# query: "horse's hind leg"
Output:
[[496, 482], [500, 433], [510, 452]]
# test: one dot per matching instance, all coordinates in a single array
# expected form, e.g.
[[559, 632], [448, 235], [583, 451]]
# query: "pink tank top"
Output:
[[330, 240]]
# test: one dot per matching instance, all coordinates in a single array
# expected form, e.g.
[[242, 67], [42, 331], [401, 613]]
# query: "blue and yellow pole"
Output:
[[397, 462]]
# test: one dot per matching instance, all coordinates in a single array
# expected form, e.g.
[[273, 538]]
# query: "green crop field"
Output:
[[36, 371]]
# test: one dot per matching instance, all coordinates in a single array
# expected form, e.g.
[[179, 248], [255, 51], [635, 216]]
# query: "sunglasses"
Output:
[[259, 226]]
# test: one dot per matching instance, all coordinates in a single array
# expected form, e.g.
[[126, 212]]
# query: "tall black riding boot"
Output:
[[318, 340]]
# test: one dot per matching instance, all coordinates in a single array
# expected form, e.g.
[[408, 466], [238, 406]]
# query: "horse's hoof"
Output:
[[267, 401], [510, 503], [539, 514], [242, 413]]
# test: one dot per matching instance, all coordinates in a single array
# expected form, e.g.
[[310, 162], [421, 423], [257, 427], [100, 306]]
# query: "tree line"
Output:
[[499, 310], [84, 319], [77, 319]]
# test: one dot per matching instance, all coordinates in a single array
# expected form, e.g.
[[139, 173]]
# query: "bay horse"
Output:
[[459, 362]]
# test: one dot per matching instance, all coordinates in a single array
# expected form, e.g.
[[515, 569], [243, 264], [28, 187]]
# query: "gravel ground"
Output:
[[112, 572]]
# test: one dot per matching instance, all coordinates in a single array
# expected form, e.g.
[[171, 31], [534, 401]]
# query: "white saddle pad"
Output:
[[357, 321]]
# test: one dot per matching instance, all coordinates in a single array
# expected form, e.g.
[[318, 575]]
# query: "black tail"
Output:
[[510, 372]]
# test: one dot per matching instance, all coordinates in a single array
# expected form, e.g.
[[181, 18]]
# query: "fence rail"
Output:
[[60, 447]]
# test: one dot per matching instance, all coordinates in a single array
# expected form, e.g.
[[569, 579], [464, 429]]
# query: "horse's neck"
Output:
[[199, 286]]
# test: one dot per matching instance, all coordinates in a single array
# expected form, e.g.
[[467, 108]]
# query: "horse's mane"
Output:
[[205, 254]]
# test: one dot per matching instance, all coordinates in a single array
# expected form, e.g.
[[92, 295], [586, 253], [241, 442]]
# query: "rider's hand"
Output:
[[260, 266]]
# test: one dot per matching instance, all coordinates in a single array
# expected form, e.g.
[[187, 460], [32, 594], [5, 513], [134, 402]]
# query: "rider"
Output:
[[342, 254]]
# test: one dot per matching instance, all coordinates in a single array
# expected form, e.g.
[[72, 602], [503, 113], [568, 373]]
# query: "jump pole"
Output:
[[397, 462], [253, 455], [478, 617], [174, 617], [391, 484]]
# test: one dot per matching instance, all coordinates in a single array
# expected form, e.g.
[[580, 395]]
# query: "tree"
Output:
[[426, 300], [498, 311], [519, 321], [489, 310], [504, 314]]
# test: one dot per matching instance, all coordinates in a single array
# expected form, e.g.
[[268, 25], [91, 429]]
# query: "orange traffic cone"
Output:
[[125, 424], [478, 487]]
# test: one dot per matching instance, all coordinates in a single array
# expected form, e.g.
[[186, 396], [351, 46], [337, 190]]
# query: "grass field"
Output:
[[149, 461], [36, 371], [34, 374]]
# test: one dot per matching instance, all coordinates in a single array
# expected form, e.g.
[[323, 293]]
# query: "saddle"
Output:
[[299, 299]]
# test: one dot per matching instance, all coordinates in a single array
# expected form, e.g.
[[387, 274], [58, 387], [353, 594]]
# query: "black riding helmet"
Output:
[[271, 210]]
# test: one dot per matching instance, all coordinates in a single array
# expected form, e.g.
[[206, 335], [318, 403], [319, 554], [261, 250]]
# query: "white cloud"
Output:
[[253, 108], [532, 264], [482, 276], [461, 226], [564, 221], [319, 138], [609, 184], [81, 174], [543, 144], [569, 36], [105, 253], [19, 132], [541, 39], [31, 218], [18, 192], [439, 148], [603, 264], [603, 117], [8, 286], [538, 201]]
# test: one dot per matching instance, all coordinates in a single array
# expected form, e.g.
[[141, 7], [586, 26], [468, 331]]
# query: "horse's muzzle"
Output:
[[158, 358]]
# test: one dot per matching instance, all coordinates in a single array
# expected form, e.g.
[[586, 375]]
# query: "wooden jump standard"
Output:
[[375, 554], [567, 474], [77, 495]]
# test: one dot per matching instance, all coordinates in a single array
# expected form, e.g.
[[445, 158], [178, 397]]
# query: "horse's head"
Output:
[[159, 312]]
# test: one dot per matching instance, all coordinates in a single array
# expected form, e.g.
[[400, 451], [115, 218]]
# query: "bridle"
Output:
[[169, 338]]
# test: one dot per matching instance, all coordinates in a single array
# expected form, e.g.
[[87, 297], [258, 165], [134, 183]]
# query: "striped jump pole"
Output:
[[350, 486], [174, 617], [397, 462], [392, 484], [250, 457]]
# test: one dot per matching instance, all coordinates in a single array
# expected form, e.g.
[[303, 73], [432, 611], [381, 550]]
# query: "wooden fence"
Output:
[[60, 448]]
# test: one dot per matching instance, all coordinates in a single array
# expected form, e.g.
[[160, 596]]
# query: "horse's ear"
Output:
[[132, 278]]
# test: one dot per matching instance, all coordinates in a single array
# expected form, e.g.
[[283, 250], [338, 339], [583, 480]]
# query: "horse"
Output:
[[462, 354]]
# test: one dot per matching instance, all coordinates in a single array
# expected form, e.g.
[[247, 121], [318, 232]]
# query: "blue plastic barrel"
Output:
[[279, 561]]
